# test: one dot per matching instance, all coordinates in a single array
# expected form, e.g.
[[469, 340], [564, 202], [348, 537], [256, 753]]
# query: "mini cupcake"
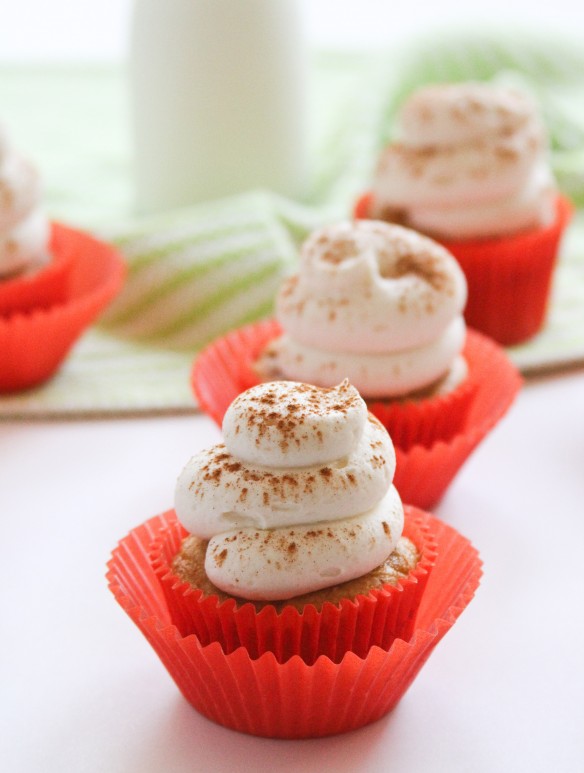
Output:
[[292, 550], [470, 169], [295, 512], [381, 305], [54, 281]]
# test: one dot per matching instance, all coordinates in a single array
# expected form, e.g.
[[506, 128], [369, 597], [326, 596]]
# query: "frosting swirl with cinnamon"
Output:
[[373, 302], [470, 162], [24, 228], [281, 522]]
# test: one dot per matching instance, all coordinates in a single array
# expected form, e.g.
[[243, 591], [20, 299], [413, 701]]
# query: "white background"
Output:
[[98, 29], [80, 689]]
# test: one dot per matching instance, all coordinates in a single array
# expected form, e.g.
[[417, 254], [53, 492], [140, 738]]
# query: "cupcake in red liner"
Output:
[[470, 170], [263, 697], [32, 275], [381, 305], [294, 540], [289, 560], [226, 368], [34, 343]]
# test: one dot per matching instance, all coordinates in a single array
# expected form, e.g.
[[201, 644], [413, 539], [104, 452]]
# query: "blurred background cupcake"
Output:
[[54, 280], [381, 305], [470, 168]]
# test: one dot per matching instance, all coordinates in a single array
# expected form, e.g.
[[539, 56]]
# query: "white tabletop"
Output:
[[81, 690]]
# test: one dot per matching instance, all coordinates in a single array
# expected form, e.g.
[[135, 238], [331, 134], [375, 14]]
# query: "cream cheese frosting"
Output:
[[469, 162], [373, 302], [281, 523], [24, 228]]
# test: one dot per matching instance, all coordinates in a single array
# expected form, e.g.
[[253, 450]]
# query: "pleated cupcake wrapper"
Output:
[[263, 697], [33, 344], [424, 421], [375, 618], [41, 289], [425, 466], [509, 278]]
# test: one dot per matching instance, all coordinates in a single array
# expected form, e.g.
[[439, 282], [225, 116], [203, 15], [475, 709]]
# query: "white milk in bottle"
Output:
[[218, 99]]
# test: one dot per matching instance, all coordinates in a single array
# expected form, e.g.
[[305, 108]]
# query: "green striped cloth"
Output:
[[197, 272]]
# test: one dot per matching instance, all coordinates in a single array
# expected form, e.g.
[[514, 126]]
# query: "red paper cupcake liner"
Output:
[[263, 697], [41, 289], [509, 278], [33, 344], [424, 468], [363, 206], [352, 625], [423, 422]]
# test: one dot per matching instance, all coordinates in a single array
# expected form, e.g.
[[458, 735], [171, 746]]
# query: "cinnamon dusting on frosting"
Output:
[[452, 137], [290, 484], [266, 412]]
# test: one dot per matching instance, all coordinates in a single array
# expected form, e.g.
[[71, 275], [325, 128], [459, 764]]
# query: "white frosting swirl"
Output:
[[279, 523], [383, 375], [376, 303], [24, 228], [470, 162]]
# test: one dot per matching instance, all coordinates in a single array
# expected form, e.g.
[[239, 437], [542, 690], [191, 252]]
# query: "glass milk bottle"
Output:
[[218, 99]]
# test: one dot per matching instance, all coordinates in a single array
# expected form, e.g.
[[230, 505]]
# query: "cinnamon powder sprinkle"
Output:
[[278, 412], [423, 264], [297, 404], [220, 559]]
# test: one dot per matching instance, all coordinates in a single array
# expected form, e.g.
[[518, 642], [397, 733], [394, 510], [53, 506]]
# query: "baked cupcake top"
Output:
[[24, 228], [469, 162], [374, 302], [298, 498]]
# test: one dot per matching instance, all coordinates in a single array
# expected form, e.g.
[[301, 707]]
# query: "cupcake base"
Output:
[[425, 464], [377, 617], [509, 278], [293, 700], [33, 344]]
